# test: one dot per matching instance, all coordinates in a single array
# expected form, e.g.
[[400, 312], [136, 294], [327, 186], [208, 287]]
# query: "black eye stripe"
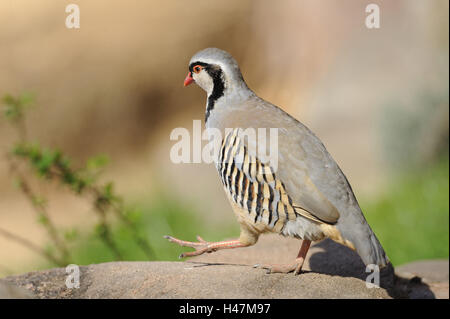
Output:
[[193, 64]]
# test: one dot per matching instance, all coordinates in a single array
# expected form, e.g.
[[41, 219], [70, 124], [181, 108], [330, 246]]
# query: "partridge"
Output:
[[306, 196]]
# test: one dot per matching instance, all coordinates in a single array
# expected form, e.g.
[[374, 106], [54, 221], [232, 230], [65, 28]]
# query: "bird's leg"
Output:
[[296, 266], [203, 246]]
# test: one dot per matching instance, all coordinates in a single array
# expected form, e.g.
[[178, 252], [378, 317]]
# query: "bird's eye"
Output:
[[197, 68]]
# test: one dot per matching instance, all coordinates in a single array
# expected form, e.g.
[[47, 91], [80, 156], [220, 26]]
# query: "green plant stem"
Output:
[[118, 210], [41, 211], [105, 235], [142, 242]]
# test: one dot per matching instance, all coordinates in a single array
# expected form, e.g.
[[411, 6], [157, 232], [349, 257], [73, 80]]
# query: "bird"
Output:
[[307, 196]]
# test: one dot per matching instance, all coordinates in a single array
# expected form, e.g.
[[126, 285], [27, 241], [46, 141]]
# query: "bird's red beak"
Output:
[[189, 79]]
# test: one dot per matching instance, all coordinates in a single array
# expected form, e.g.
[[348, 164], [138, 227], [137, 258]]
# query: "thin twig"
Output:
[[118, 210], [105, 233], [25, 242], [40, 210], [142, 242]]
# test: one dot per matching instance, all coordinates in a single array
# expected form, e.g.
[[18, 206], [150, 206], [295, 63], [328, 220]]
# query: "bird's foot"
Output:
[[200, 247], [295, 267]]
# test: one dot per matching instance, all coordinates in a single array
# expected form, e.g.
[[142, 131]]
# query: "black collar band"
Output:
[[216, 74]]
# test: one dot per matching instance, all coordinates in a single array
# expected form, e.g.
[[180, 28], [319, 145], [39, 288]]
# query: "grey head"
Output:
[[218, 73]]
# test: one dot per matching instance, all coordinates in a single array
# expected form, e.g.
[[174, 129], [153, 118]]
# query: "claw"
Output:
[[297, 269], [268, 268], [200, 247], [169, 238], [200, 239], [277, 268]]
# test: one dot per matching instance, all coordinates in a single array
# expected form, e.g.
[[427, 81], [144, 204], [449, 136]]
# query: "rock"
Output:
[[325, 257], [9, 291], [190, 280], [331, 271], [432, 274], [429, 270]]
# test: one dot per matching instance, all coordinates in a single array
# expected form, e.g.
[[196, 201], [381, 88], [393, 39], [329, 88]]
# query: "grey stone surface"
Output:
[[9, 291], [330, 271], [190, 280], [432, 273], [435, 270]]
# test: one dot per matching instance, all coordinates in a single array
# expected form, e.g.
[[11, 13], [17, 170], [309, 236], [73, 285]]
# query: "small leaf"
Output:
[[8, 99], [97, 162], [42, 219], [133, 215], [45, 161], [15, 106], [78, 185], [49, 249], [100, 230], [71, 234], [26, 98], [39, 201], [108, 192]]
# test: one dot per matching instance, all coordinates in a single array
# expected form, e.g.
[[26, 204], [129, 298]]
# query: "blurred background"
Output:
[[377, 98]]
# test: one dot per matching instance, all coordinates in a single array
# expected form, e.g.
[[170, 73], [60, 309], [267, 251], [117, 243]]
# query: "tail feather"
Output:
[[355, 232], [362, 239], [375, 254]]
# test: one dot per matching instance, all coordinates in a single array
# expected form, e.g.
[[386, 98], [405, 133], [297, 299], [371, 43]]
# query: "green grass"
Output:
[[411, 218]]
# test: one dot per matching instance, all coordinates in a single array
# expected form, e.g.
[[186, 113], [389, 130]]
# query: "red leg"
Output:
[[302, 255], [296, 266], [203, 246]]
